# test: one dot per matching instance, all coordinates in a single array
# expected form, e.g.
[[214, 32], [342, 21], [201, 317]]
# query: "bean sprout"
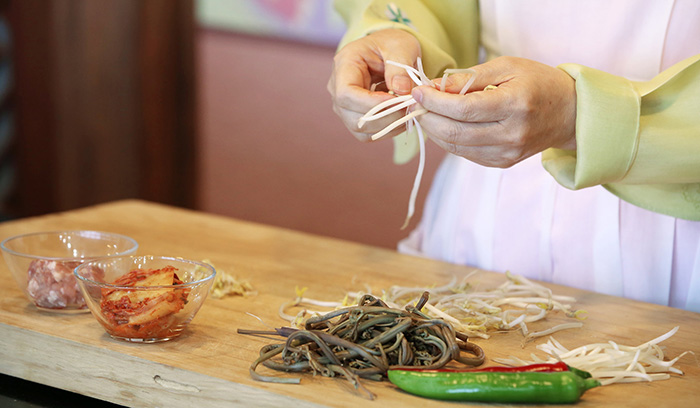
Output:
[[510, 306], [610, 362], [404, 102]]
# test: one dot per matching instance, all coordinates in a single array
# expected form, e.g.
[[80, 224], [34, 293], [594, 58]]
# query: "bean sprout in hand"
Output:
[[410, 119]]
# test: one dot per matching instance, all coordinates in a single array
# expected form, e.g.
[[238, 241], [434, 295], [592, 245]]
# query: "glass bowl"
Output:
[[144, 299], [42, 264]]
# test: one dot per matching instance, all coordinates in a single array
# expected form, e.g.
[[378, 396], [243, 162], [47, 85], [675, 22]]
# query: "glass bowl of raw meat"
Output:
[[42, 263], [144, 299]]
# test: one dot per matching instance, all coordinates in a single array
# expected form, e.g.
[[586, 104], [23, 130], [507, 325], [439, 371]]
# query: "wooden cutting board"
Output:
[[208, 365]]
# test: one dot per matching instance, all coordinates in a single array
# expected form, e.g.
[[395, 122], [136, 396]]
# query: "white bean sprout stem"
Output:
[[552, 330], [610, 362], [404, 102], [398, 123], [419, 172], [477, 313], [375, 113], [466, 86]]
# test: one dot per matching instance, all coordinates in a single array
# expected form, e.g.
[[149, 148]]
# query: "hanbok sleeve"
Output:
[[640, 140]]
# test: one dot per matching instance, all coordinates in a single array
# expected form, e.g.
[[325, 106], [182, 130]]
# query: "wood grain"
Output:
[[105, 102], [208, 365]]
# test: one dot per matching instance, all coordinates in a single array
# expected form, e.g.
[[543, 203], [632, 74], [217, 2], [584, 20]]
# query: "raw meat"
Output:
[[52, 285]]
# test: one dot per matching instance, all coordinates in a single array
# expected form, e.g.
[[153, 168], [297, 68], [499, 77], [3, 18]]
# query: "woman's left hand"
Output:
[[533, 108]]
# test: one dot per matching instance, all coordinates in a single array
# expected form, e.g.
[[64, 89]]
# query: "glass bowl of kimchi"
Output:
[[144, 299], [42, 264]]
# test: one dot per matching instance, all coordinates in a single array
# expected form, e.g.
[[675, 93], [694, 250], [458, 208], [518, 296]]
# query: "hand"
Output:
[[533, 108], [360, 64]]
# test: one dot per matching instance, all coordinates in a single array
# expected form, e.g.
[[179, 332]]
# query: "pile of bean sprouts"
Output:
[[404, 102], [226, 284], [364, 341], [510, 306], [610, 362]]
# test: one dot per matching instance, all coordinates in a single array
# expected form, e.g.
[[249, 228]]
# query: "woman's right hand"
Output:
[[360, 64], [532, 109]]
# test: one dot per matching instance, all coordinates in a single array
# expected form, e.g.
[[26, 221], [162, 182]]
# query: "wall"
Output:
[[273, 151]]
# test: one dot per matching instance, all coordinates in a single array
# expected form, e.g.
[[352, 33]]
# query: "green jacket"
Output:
[[639, 140]]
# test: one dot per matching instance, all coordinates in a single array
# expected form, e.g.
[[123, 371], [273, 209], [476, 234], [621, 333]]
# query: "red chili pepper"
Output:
[[541, 368]]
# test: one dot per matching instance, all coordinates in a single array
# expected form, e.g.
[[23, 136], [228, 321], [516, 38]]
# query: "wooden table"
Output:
[[208, 365]]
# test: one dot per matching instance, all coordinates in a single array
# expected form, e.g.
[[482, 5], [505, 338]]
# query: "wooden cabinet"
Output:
[[103, 101]]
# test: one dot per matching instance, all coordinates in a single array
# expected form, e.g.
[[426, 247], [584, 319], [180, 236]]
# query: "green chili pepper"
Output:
[[560, 387]]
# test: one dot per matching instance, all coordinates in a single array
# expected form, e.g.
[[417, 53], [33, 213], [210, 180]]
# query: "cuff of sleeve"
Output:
[[436, 46], [405, 147], [607, 128]]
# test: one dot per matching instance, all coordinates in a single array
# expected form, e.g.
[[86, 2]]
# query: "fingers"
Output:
[[504, 126], [355, 98], [480, 106], [449, 131], [364, 133], [352, 103], [354, 70], [362, 63], [486, 143], [352, 75]]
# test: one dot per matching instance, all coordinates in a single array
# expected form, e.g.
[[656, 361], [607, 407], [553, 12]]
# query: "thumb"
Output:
[[403, 48], [397, 78]]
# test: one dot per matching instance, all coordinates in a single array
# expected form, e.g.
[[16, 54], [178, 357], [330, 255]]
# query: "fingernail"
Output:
[[417, 95], [401, 84]]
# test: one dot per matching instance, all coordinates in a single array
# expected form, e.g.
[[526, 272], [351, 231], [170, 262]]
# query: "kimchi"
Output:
[[140, 312]]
